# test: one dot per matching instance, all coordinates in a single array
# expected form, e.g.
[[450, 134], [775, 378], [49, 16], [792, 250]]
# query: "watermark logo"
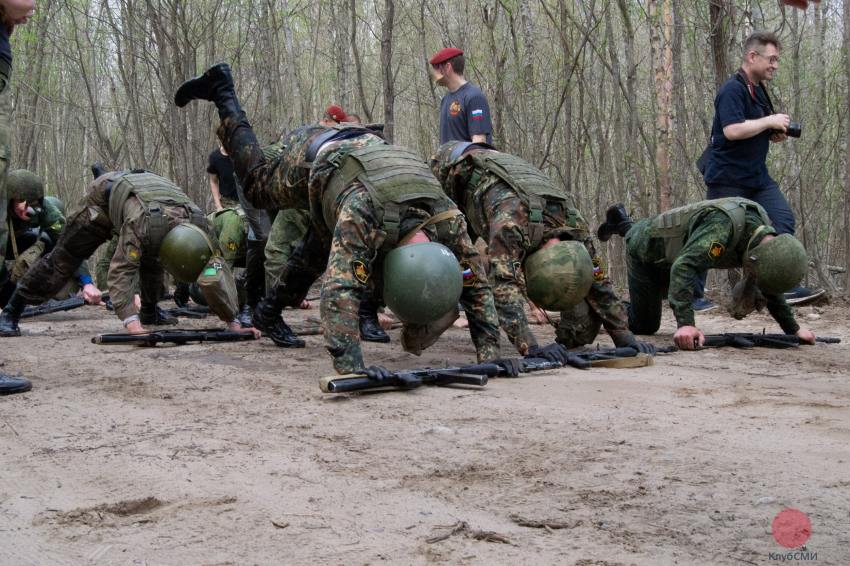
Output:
[[792, 528]]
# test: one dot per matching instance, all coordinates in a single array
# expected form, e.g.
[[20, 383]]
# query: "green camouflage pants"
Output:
[[286, 233]]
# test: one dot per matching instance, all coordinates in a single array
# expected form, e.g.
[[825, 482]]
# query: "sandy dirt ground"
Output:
[[230, 454]]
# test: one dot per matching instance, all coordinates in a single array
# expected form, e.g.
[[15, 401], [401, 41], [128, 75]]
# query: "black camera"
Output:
[[794, 129]]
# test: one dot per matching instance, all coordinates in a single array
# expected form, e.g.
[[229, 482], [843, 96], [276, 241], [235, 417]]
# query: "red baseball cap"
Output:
[[336, 113], [444, 55]]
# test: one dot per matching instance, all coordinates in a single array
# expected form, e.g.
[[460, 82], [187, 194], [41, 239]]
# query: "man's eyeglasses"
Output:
[[773, 59]]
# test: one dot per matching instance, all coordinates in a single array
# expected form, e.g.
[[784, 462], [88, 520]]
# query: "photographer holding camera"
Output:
[[735, 163]]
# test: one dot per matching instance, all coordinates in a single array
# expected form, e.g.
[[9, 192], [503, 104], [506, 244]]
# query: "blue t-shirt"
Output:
[[463, 114], [738, 163], [5, 47]]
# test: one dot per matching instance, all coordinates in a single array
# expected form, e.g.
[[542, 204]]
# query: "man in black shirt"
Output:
[[222, 180]]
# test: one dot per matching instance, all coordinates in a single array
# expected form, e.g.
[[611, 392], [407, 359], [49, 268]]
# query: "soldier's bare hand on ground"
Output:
[[385, 320], [235, 326], [689, 338], [92, 295], [305, 304], [135, 327], [538, 314], [807, 336]]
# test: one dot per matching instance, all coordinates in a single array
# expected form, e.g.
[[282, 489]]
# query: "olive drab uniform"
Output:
[[140, 207], [231, 228], [30, 240], [516, 208], [668, 252]]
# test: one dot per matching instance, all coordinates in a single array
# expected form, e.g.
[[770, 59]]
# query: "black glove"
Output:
[[553, 352], [643, 347], [509, 367], [377, 373]]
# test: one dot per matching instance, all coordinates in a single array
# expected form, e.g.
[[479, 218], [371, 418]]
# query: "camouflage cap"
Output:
[[559, 276]]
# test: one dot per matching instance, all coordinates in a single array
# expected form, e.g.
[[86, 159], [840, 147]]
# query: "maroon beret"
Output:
[[336, 113], [444, 55]]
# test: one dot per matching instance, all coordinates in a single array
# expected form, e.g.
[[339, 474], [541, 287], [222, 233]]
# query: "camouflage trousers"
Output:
[[287, 231], [28, 258], [102, 266], [507, 220], [355, 264], [264, 182], [648, 282]]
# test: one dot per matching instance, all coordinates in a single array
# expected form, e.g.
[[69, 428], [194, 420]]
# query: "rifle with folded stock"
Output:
[[756, 340], [53, 305], [174, 336], [189, 311]]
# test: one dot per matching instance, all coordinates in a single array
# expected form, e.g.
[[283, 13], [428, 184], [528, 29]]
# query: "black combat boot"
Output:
[[216, 85], [10, 385], [244, 318], [268, 319], [181, 295], [255, 272], [617, 221], [11, 315], [370, 328], [153, 315]]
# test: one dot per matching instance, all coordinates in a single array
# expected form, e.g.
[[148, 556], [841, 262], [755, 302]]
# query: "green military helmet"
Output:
[[184, 252], [56, 202], [559, 276], [778, 264], [422, 282], [22, 184]]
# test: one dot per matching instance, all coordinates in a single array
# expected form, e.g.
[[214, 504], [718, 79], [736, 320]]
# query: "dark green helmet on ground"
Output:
[[58, 204], [422, 282], [24, 185], [184, 252], [778, 264], [559, 276]]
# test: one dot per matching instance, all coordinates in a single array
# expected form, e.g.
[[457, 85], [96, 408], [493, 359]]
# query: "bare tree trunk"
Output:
[[387, 69], [660, 27], [358, 67], [719, 16]]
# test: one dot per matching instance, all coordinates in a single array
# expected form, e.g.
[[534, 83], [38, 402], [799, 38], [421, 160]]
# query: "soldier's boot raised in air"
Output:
[[153, 315], [216, 85], [268, 318], [10, 385], [617, 221], [370, 328], [11, 315]]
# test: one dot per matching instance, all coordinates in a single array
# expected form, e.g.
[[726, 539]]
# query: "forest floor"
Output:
[[230, 454]]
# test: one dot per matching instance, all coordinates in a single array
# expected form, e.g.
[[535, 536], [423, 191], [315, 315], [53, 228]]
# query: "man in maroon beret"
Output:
[[464, 112], [334, 114]]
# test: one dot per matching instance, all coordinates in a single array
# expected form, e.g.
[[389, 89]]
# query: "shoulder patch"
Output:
[[598, 269], [469, 275], [360, 270], [133, 253], [715, 250], [231, 246]]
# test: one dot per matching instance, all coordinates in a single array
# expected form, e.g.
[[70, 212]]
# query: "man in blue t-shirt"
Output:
[[464, 112], [744, 126]]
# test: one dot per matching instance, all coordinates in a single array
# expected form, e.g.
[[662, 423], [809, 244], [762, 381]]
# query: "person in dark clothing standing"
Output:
[[464, 112], [222, 180], [744, 126]]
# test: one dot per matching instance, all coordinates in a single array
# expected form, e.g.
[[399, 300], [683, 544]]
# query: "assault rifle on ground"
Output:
[[53, 305], [478, 374], [174, 336], [189, 311], [763, 340]]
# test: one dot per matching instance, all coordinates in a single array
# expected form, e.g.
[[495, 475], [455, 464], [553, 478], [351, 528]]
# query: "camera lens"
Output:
[[794, 129]]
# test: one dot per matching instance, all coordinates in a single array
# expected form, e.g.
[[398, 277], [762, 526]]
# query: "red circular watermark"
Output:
[[791, 528]]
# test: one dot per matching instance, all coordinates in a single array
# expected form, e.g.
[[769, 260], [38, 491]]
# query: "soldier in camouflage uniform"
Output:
[[142, 208], [35, 222], [518, 210], [667, 252], [353, 223]]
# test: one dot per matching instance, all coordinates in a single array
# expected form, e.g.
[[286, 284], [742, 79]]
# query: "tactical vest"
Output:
[[672, 226], [534, 187], [395, 178], [333, 133], [154, 192]]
